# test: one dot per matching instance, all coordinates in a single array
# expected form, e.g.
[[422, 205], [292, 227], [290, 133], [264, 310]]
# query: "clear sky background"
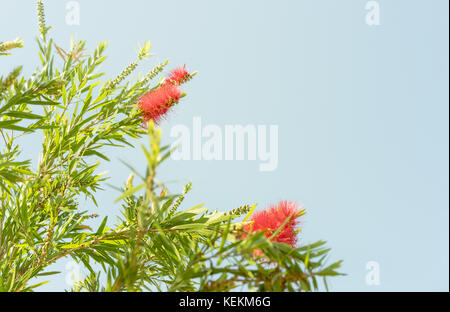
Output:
[[362, 114]]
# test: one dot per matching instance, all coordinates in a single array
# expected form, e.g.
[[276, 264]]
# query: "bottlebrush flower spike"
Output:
[[156, 103], [272, 219], [179, 75]]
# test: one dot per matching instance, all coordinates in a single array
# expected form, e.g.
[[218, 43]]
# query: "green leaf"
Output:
[[248, 215], [92, 152], [17, 128], [5, 123], [130, 192], [102, 226], [48, 273]]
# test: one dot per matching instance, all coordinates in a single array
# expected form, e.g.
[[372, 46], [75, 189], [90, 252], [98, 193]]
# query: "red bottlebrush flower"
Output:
[[179, 75], [156, 103], [272, 219]]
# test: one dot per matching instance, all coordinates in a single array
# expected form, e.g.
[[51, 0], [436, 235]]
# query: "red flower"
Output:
[[273, 218], [156, 103], [179, 75]]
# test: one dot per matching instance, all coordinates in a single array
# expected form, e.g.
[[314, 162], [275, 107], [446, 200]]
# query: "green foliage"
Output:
[[156, 244]]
